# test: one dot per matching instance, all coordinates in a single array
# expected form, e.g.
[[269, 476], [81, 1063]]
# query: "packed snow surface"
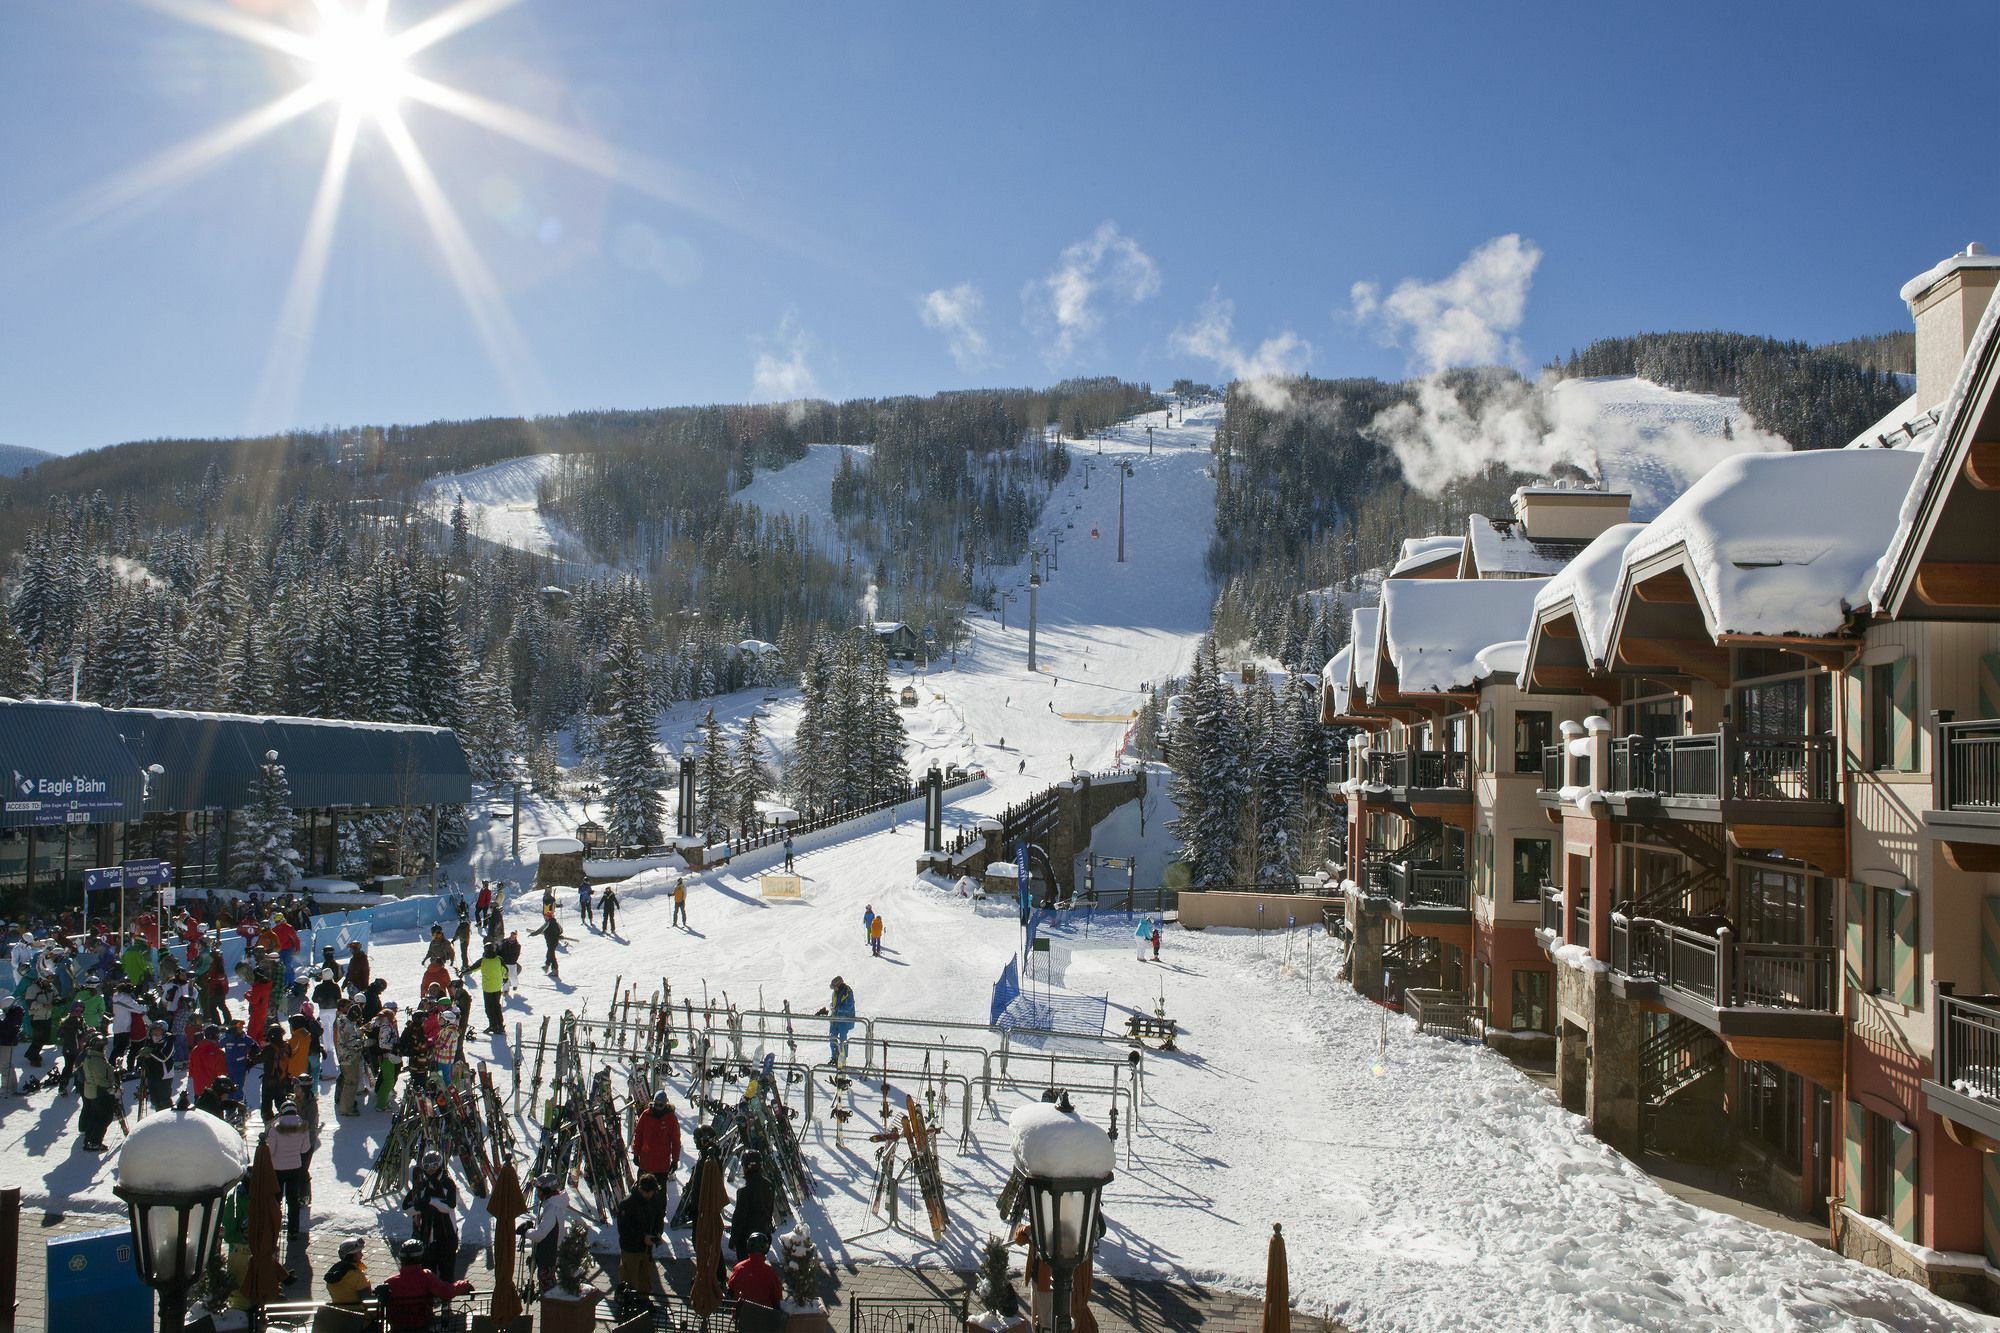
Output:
[[1422, 1184], [803, 489], [1436, 628], [1655, 442], [503, 502]]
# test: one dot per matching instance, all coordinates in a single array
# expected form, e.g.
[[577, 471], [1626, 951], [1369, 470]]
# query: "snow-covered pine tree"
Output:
[[799, 1267], [263, 856], [1210, 782], [489, 731], [886, 737], [750, 777], [805, 771], [461, 534], [633, 774]]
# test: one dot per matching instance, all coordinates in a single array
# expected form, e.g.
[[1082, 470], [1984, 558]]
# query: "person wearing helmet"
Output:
[[751, 1216], [411, 1292], [546, 1234], [656, 1139], [753, 1281], [219, 1100], [347, 1281], [841, 1007], [639, 1230], [156, 1062], [290, 1141], [432, 1204]]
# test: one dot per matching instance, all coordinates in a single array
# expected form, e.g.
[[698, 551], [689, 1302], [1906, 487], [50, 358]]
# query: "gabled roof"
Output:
[[1434, 630], [1960, 417], [1499, 548], [1775, 544], [1587, 591], [1424, 554], [1333, 680]]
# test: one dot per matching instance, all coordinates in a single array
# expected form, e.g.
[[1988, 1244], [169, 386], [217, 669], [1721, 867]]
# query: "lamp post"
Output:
[[1124, 471], [1065, 1163], [174, 1171]]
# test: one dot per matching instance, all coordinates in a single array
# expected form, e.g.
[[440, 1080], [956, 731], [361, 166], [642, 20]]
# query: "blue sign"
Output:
[[148, 873], [1026, 894], [93, 1282], [103, 878]]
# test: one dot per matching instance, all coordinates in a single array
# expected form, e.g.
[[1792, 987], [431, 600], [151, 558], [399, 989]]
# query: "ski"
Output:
[[924, 1160]]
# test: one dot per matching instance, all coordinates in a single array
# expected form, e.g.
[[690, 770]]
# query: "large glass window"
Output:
[[1774, 1106], [1653, 717], [1531, 1011], [1785, 906], [1882, 716], [1533, 733], [1772, 708], [1531, 868]]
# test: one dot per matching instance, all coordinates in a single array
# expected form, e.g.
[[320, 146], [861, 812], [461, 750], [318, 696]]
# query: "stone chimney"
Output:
[[1946, 301]]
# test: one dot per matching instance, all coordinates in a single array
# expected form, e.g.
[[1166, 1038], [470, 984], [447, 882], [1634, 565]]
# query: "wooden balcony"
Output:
[[1550, 932], [1441, 1013], [1773, 793], [1423, 891], [1964, 1087], [1965, 791], [1426, 784], [1777, 1002]]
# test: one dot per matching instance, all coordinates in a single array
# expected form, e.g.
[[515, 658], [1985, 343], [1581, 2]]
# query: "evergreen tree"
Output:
[[1210, 785], [263, 856], [714, 790], [633, 774], [751, 778]]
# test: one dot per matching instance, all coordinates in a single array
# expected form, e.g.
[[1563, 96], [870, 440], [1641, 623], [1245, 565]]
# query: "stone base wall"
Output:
[[1970, 1284]]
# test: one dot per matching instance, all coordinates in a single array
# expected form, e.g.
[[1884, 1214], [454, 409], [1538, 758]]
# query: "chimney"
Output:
[[1569, 513], [1946, 301]]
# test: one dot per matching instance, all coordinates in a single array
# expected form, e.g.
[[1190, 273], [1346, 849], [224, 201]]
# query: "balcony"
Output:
[[1441, 1013], [1698, 970], [1552, 768], [1336, 775], [1965, 790], [1965, 1063], [1425, 891], [1724, 775], [1422, 777], [1552, 915]]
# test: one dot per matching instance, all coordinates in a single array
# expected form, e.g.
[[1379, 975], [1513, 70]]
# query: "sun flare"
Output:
[[356, 63]]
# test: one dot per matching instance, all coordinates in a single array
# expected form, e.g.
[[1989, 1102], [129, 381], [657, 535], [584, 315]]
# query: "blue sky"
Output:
[[800, 179]]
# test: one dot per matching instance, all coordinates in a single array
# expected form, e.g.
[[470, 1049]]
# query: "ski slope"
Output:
[[503, 503], [1423, 1185], [804, 489], [1654, 441]]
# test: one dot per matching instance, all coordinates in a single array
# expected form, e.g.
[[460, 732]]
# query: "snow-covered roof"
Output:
[[1781, 543], [1939, 461], [1590, 584], [1366, 645], [886, 626], [1435, 629], [1501, 548], [1334, 678], [1973, 256], [756, 647], [1419, 552], [1904, 426], [1501, 659]]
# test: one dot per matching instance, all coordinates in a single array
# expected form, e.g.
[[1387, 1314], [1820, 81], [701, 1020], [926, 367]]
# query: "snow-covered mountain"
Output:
[[1655, 441]]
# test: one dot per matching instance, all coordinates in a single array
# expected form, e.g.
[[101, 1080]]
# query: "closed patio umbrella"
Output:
[[265, 1280], [706, 1297], [506, 1205], [1277, 1287]]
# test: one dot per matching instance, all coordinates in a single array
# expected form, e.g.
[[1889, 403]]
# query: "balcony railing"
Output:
[[1336, 769], [1966, 1043], [1552, 911], [1552, 768], [1706, 962], [1442, 1013], [1757, 768], [1425, 886], [1426, 769], [1968, 767]]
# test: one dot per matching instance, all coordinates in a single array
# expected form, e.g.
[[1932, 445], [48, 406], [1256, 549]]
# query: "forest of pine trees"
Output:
[[1249, 770], [848, 749]]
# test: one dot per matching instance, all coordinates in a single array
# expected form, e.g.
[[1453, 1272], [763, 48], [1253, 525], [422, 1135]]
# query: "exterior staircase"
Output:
[[1672, 1062]]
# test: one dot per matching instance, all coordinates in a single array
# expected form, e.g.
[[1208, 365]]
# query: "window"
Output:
[[1531, 868], [1531, 1002], [1882, 716], [1533, 733], [1653, 718], [1772, 708], [1890, 968], [1882, 943], [1774, 1105]]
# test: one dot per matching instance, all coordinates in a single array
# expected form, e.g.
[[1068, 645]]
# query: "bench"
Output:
[[1143, 1029]]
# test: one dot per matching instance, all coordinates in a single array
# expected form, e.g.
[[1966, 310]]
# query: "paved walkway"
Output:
[[1120, 1305]]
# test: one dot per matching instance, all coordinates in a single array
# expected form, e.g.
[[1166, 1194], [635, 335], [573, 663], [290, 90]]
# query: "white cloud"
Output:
[[1263, 372], [781, 372], [955, 312], [1465, 319], [1064, 305]]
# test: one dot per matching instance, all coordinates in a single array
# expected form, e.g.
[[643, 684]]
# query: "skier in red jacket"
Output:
[[754, 1279], [656, 1139], [413, 1289], [206, 1062]]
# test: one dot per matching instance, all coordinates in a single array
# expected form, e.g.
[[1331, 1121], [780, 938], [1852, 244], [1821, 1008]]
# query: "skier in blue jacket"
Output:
[[583, 895], [867, 920], [1144, 932], [842, 1009]]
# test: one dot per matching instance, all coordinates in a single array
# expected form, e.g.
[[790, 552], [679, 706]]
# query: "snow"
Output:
[[1973, 256], [803, 489], [1652, 441], [1333, 677], [1904, 426], [1577, 956], [1419, 552], [1782, 543], [1423, 1185], [1940, 459], [181, 1151], [1436, 628], [503, 503], [1501, 659], [1501, 549], [1366, 643], [1059, 1145], [1589, 585]]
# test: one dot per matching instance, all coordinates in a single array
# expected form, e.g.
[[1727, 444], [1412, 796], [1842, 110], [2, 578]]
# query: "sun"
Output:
[[356, 64]]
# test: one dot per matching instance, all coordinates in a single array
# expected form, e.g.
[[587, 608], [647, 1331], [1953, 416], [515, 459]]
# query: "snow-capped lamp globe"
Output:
[[1065, 1163], [174, 1171], [270, 756]]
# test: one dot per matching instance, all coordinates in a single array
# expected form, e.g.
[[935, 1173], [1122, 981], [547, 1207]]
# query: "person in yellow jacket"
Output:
[[680, 903], [875, 929], [347, 1281], [492, 980]]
